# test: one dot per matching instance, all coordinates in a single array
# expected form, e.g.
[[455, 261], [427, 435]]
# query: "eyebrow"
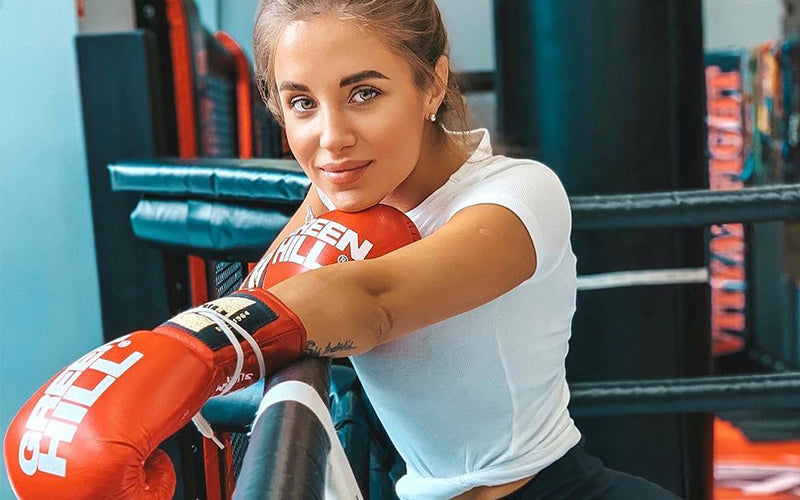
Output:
[[361, 75], [344, 82]]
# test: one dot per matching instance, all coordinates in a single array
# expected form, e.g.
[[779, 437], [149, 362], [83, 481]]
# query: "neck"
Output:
[[439, 158]]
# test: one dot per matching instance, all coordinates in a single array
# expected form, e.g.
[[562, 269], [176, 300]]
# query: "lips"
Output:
[[345, 172]]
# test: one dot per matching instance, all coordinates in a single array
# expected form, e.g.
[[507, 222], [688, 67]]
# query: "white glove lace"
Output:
[[225, 324]]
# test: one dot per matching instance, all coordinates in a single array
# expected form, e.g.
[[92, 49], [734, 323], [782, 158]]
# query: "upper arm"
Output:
[[481, 253], [500, 238]]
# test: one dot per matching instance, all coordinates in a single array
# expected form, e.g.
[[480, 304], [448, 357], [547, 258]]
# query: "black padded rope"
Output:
[[686, 395], [634, 397], [288, 450], [685, 208]]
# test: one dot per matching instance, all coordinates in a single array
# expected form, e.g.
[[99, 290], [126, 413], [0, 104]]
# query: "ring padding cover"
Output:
[[221, 205]]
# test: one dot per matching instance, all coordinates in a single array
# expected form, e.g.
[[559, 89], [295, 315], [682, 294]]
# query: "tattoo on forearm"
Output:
[[312, 349]]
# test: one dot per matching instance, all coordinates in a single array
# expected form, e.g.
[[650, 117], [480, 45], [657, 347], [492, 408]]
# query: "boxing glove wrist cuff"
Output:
[[248, 330], [245, 320]]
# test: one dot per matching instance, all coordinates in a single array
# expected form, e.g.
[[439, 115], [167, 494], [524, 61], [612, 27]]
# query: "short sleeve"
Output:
[[535, 194]]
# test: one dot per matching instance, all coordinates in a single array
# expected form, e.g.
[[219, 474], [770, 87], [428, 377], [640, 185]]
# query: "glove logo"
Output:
[[67, 405], [326, 232]]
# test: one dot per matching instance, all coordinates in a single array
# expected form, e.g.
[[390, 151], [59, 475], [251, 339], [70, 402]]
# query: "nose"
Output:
[[337, 132]]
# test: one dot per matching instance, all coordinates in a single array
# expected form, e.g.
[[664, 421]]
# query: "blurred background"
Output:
[[617, 96]]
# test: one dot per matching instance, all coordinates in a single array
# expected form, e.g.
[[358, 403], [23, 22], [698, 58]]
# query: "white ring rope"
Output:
[[643, 278]]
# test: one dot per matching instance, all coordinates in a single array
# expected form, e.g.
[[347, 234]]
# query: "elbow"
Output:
[[383, 325], [377, 289], [373, 322]]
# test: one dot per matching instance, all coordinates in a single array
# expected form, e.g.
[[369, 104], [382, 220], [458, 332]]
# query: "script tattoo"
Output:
[[312, 349]]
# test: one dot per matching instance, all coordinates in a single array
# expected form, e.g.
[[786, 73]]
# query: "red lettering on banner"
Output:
[[725, 144], [727, 320], [727, 247], [731, 167], [718, 82], [725, 182], [723, 272], [729, 299]]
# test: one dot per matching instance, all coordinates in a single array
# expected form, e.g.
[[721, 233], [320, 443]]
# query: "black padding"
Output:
[[122, 116], [349, 416], [288, 449], [280, 464], [611, 98]]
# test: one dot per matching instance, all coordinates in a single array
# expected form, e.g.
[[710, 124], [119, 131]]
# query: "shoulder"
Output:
[[531, 191], [528, 172], [521, 182]]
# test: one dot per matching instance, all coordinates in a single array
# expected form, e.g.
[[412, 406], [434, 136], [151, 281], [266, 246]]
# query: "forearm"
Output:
[[339, 308]]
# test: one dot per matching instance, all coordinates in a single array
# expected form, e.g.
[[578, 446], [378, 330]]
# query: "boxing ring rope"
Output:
[[685, 208], [283, 427], [293, 451], [686, 395], [639, 397]]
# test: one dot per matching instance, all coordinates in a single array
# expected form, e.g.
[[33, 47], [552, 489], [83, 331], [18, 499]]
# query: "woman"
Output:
[[460, 338]]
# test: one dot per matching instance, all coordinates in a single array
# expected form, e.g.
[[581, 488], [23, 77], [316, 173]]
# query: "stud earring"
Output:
[[432, 117]]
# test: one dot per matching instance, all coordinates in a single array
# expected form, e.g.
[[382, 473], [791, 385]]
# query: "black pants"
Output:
[[580, 476]]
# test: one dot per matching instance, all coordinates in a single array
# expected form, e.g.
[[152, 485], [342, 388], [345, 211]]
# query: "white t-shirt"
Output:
[[481, 398]]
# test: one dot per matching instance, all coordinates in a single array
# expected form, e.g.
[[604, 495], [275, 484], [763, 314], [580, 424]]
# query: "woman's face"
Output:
[[354, 118]]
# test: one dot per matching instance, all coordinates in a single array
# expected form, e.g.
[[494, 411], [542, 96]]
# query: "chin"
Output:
[[355, 204]]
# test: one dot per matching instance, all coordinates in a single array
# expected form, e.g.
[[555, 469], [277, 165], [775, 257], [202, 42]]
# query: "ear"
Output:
[[438, 88]]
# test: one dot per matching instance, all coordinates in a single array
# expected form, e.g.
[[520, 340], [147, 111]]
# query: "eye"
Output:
[[301, 104], [365, 94]]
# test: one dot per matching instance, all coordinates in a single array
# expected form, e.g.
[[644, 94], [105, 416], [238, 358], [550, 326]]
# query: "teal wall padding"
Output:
[[207, 225], [276, 181]]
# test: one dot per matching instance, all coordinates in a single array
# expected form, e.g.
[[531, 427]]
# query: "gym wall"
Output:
[[49, 299]]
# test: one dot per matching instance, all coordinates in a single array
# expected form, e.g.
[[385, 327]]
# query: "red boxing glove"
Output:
[[335, 237], [92, 431]]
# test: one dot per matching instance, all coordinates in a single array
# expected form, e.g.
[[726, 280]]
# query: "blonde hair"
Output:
[[413, 29]]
